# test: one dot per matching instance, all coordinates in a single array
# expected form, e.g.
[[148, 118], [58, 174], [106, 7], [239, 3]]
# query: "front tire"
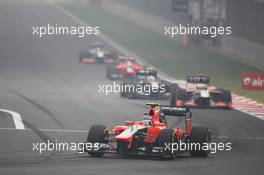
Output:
[[97, 134]]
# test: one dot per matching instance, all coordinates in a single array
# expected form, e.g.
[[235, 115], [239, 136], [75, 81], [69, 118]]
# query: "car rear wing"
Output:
[[182, 112], [148, 72], [202, 79], [176, 111]]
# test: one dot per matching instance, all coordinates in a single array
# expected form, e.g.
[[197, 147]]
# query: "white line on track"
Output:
[[16, 118]]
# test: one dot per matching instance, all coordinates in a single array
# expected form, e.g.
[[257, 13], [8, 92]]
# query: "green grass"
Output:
[[172, 58]]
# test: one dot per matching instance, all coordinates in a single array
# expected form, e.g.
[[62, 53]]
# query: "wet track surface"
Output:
[[42, 79]]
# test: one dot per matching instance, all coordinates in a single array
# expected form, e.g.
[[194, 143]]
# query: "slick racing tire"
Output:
[[123, 94], [122, 148], [108, 72], [173, 91], [199, 136], [97, 134], [227, 98], [166, 138], [131, 95]]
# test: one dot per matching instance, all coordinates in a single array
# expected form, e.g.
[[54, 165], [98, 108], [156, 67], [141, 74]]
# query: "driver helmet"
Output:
[[146, 119]]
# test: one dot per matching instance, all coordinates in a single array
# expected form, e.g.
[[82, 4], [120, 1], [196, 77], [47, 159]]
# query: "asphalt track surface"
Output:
[[43, 81]]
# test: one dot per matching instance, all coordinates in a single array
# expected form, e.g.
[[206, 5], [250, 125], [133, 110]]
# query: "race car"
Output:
[[145, 85], [150, 136], [198, 94], [97, 54], [124, 67]]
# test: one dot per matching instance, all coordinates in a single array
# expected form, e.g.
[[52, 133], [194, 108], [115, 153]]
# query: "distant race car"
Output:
[[97, 54], [124, 67], [149, 136], [198, 93], [146, 85]]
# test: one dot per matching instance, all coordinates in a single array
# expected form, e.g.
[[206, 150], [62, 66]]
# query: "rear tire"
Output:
[[123, 94], [200, 135], [173, 91], [130, 95], [166, 137], [97, 134], [108, 72], [227, 98]]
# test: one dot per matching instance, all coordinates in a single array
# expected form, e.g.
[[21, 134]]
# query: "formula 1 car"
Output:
[[146, 85], [150, 136], [198, 94], [97, 54], [124, 67]]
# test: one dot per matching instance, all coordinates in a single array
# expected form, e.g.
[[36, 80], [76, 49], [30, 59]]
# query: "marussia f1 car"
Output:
[[97, 54], [150, 135], [124, 67], [145, 85], [198, 93]]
